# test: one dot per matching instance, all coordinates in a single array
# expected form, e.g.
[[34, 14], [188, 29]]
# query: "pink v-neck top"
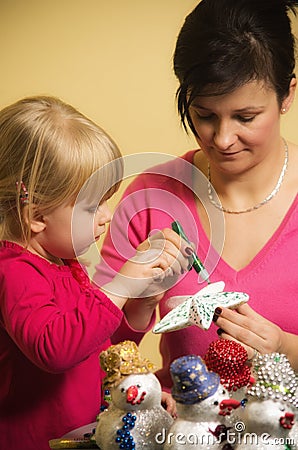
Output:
[[53, 325], [152, 202]]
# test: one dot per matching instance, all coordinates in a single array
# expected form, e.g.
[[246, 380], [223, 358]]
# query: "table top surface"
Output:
[[75, 439]]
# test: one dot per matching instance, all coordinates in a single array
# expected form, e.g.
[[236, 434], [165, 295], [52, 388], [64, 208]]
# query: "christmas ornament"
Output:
[[205, 411], [229, 360], [134, 416], [270, 413]]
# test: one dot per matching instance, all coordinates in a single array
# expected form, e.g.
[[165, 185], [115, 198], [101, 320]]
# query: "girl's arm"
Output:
[[55, 322], [144, 278]]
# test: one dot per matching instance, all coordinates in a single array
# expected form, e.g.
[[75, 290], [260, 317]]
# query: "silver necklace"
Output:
[[258, 205]]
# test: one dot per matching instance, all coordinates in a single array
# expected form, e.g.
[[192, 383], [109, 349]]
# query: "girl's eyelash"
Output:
[[93, 209]]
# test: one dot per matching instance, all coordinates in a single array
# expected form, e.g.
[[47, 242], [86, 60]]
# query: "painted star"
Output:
[[198, 309]]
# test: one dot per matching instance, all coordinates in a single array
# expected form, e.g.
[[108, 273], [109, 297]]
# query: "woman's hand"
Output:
[[169, 404], [249, 328], [255, 333]]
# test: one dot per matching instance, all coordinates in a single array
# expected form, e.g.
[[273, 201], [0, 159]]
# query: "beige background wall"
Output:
[[112, 59]]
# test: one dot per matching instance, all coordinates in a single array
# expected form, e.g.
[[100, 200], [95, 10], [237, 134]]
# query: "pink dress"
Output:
[[152, 202], [53, 325]]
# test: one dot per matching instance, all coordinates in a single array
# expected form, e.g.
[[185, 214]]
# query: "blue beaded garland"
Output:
[[124, 439]]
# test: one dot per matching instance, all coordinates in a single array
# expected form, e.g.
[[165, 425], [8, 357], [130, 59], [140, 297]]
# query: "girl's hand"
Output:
[[250, 329], [155, 267], [169, 404]]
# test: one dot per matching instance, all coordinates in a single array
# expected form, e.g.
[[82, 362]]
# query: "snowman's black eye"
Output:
[[215, 403], [223, 391], [138, 386], [122, 390]]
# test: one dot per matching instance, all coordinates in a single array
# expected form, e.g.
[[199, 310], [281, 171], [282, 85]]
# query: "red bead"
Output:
[[228, 359]]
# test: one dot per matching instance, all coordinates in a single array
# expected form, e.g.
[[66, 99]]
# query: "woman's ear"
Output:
[[36, 222], [288, 100]]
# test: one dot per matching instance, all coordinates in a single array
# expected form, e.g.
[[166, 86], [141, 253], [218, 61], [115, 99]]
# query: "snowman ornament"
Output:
[[205, 410], [134, 417], [270, 415]]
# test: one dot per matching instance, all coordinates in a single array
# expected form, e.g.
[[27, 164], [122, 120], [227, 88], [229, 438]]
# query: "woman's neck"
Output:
[[240, 191]]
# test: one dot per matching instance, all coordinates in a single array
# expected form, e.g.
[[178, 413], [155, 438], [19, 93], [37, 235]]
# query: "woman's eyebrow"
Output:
[[249, 108], [238, 110]]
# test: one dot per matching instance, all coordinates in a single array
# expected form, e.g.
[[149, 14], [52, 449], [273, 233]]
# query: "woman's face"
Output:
[[239, 129]]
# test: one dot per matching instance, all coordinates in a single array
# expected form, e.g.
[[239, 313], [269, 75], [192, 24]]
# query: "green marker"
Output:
[[196, 262]]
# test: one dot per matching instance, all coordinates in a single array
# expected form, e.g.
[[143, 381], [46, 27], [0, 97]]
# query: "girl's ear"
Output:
[[287, 102], [37, 226], [36, 222]]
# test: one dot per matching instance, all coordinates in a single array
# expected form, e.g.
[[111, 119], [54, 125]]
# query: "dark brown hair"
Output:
[[224, 44]]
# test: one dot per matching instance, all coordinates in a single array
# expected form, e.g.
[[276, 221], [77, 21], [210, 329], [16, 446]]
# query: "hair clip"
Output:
[[24, 196]]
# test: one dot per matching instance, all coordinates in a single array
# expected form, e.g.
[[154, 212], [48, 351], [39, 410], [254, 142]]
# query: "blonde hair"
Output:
[[53, 149]]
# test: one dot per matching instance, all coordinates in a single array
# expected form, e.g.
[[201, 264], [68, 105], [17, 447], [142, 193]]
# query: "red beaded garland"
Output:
[[228, 359]]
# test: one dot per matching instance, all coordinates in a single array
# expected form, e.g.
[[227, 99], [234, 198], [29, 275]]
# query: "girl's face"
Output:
[[238, 130], [70, 230]]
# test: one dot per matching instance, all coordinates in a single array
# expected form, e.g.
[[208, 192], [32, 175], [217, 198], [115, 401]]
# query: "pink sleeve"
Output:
[[55, 331]]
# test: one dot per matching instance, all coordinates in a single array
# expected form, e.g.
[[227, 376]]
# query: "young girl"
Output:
[[57, 171]]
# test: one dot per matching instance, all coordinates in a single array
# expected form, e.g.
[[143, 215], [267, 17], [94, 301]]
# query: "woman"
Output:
[[234, 60]]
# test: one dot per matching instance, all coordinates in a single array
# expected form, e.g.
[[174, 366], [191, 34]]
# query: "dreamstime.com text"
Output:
[[231, 436]]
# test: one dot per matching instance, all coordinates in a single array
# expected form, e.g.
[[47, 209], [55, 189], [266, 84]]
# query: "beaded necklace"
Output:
[[258, 205]]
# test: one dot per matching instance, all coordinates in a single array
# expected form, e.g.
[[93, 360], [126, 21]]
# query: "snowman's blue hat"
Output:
[[192, 382]]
